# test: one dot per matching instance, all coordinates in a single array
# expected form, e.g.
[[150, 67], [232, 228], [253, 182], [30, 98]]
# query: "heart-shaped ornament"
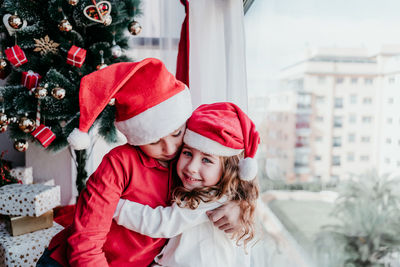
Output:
[[10, 29], [97, 12]]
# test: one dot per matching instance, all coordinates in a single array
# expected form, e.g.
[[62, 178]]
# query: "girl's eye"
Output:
[[206, 160], [177, 134], [187, 153]]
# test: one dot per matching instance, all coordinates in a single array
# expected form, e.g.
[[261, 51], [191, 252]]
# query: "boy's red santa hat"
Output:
[[223, 129], [150, 102]]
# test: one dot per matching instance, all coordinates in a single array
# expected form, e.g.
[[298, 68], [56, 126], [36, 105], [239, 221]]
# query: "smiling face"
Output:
[[167, 148], [197, 169]]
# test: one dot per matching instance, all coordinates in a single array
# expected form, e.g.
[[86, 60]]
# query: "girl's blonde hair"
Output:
[[236, 189]]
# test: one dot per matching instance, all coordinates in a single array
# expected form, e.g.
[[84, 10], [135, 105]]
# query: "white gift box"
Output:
[[29, 199], [23, 173], [24, 250]]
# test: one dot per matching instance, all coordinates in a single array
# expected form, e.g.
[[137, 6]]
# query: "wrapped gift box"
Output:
[[28, 200], [30, 79], [76, 56], [24, 250], [44, 135], [19, 225], [16, 56], [24, 174]]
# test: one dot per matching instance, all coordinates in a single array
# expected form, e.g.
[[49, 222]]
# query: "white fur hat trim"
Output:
[[247, 169], [78, 140]]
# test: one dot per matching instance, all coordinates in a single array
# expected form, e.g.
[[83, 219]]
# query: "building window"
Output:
[[339, 80], [317, 157], [318, 139], [364, 158], [319, 118], [338, 102], [367, 100], [366, 119], [354, 80], [350, 156], [337, 121], [336, 160], [368, 81], [353, 99], [352, 118], [337, 141], [351, 138], [365, 139], [321, 79]]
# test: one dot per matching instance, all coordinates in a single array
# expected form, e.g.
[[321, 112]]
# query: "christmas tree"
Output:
[[47, 47], [5, 175]]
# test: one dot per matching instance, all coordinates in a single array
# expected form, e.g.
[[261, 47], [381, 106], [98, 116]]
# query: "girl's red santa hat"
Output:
[[150, 102], [223, 129]]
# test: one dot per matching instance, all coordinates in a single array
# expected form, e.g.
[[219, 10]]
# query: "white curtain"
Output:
[[217, 66]]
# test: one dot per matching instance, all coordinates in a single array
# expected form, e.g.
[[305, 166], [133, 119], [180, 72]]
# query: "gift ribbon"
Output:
[[29, 74], [73, 58]]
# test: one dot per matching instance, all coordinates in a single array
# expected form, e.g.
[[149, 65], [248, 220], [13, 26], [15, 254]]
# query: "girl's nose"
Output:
[[191, 167]]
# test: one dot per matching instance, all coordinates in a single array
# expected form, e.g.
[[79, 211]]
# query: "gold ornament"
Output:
[[101, 66], [3, 63], [15, 21], [3, 118], [21, 145], [73, 2], [134, 28], [64, 25], [107, 20], [40, 92], [112, 102], [3, 128], [58, 93], [45, 45], [27, 125]]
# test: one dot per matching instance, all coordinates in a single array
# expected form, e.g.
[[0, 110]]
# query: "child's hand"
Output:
[[226, 217]]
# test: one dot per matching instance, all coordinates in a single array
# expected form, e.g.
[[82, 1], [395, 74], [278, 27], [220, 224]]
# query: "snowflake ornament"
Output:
[[45, 45]]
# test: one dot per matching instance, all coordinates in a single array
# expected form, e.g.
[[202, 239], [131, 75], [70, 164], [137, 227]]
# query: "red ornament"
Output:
[[16, 56], [44, 135], [30, 79], [76, 56]]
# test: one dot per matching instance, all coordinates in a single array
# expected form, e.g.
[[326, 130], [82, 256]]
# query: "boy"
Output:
[[151, 110]]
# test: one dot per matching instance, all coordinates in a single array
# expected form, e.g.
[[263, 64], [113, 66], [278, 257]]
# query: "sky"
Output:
[[278, 32]]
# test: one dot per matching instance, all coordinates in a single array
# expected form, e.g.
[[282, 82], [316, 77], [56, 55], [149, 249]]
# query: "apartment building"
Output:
[[334, 125]]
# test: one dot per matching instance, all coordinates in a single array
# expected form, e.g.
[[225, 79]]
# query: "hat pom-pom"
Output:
[[78, 140], [247, 169]]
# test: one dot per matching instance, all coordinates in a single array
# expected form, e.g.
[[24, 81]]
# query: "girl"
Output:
[[212, 170]]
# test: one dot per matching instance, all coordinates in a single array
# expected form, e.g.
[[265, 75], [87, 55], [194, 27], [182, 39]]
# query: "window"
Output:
[[368, 81], [352, 118], [390, 100], [351, 138], [353, 99], [354, 80], [318, 139], [319, 118], [367, 100], [337, 121], [389, 120], [364, 158], [336, 160], [317, 157], [366, 119], [391, 80], [337, 141], [339, 80], [365, 139], [350, 156], [338, 102]]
